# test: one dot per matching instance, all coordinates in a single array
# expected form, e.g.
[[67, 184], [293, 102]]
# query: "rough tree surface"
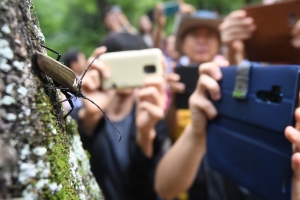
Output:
[[41, 155]]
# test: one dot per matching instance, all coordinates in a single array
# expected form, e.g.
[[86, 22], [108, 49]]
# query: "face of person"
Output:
[[79, 66], [81, 62], [201, 44], [145, 24], [111, 20]]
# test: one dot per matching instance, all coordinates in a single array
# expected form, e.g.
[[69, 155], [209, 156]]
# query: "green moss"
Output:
[[58, 155]]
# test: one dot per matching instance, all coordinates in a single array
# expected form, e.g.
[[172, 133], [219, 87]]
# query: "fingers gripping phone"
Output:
[[128, 69]]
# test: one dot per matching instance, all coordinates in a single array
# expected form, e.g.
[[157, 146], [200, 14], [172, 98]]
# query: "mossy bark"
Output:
[[41, 156]]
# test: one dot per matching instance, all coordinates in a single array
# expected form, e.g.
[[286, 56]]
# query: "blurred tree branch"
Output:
[[102, 5]]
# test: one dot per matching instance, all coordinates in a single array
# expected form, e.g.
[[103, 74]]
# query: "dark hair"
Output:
[[150, 14], [196, 27], [122, 42], [71, 56], [111, 8]]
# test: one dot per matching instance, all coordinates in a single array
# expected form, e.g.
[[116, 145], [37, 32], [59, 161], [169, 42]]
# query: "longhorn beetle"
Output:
[[65, 79]]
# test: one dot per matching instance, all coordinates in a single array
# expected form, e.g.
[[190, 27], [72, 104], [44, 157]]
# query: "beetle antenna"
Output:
[[105, 116], [58, 54], [88, 67]]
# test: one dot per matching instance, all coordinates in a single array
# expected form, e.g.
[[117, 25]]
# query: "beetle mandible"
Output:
[[65, 79]]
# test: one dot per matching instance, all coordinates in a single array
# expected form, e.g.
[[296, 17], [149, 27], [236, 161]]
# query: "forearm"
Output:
[[158, 35], [129, 28], [89, 121], [170, 117], [234, 57], [145, 142], [177, 169]]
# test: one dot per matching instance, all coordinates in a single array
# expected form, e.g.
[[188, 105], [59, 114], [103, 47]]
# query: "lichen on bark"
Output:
[[49, 162]]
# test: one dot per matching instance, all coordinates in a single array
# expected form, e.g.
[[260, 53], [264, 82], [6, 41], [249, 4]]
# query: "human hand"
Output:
[[293, 135], [151, 102], [200, 106], [221, 61], [185, 8], [159, 15], [296, 35], [173, 81], [122, 19], [91, 86], [235, 28]]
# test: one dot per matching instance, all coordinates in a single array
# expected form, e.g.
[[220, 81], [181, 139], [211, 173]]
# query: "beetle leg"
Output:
[[67, 95], [57, 87], [69, 99]]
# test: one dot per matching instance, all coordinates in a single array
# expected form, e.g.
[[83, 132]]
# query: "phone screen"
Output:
[[170, 8], [189, 76]]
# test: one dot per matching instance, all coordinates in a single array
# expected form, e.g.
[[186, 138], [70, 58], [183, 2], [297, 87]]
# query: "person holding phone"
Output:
[[186, 155], [237, 27], [146, 30], [116, 21], [162, 11], [198, 38], [123, 169]]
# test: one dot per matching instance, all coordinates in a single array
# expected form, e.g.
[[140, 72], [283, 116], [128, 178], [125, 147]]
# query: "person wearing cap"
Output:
[[197, 38], [177, 170], [237, 27], [185, 156]]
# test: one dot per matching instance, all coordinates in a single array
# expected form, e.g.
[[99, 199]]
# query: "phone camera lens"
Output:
[[148, 69], [292, 19], [113, 86]]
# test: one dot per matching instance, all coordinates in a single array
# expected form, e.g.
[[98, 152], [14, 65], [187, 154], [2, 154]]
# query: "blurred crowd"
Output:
[[163, 148]]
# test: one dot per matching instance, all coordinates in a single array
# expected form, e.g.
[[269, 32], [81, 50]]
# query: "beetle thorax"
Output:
[[78, 86], [76, 82]]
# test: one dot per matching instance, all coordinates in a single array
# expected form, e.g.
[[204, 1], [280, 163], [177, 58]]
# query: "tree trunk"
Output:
[[41, 155], [102, 6]]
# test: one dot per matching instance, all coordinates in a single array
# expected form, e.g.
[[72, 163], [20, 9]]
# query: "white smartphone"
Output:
[[128, 69]]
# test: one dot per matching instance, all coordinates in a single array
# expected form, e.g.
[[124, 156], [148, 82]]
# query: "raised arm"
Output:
[[177, 169], [296, 35], [235, 28], [150, 109], [293, 135], [89, 115]]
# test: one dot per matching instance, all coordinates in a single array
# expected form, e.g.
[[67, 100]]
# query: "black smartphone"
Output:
[[189, 76]]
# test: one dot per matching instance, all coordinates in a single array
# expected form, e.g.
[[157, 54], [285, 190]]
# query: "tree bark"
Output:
[[102, 6], [41, 155]]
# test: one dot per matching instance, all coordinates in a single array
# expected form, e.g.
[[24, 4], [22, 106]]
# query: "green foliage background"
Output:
[[78, 23]]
